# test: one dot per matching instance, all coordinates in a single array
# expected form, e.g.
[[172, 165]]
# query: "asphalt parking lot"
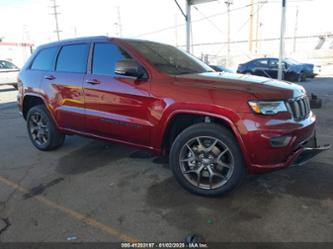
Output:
[[92, 190]]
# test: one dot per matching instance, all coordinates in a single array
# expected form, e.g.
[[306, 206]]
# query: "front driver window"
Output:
[[105, 57]]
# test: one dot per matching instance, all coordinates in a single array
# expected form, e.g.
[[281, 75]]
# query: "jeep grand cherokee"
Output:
[[214, 126]]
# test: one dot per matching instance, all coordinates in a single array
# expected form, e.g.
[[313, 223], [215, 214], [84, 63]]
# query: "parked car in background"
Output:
[[8, 73], [221, 69], [268, 67], [215, 127]]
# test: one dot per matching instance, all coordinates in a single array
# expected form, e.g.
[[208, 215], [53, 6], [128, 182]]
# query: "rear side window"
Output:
[[44, 59], [73, 58], [105, 57]]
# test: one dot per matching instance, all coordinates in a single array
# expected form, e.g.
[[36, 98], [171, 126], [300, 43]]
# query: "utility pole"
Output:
[[188, 26], [295, 30], [56, 13], [228, 3], [251, 26], [257, 28], [176, 30], [283, 27], [120, 31]]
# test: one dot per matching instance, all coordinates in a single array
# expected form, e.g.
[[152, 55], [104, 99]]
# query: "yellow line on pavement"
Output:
[[77, 216]]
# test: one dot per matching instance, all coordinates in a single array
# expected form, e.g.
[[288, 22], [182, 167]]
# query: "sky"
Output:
[[31, 20]]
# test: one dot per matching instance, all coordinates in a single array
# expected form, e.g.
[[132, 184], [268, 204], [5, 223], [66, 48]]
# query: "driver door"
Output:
[[116, 107]]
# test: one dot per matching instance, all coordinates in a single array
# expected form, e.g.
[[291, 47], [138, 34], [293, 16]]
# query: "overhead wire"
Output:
[[193, 21]]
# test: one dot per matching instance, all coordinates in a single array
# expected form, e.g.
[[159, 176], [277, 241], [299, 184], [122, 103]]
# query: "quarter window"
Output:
[[73, 58], [44, 59], [105, 57]]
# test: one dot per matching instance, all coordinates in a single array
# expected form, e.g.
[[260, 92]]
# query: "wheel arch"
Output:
[[171, 129], [32, 99]]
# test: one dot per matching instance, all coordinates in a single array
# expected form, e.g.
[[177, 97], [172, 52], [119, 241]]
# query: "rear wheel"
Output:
[[206, 160], [41, 129]]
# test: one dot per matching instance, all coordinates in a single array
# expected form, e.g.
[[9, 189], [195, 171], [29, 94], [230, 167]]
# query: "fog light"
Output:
[[281, 141]]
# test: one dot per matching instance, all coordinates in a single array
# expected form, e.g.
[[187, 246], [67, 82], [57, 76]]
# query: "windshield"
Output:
[[7, 65], [168, 59]]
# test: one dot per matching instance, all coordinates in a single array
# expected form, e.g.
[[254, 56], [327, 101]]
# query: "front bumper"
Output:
[[271, 143]]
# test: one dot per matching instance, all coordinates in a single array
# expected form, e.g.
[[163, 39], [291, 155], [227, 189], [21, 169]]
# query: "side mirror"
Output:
[[129, 67]]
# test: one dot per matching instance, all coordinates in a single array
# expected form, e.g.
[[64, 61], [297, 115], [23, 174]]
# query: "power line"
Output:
[[260, 40], [241, 27], [193, 21], [217, 14], [209, 20]]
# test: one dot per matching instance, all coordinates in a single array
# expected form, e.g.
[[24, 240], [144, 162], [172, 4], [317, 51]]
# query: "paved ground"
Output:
[[95, 191]]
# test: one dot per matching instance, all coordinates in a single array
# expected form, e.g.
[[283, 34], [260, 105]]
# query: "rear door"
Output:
[[42, 64], [116, 107], [64, 85]]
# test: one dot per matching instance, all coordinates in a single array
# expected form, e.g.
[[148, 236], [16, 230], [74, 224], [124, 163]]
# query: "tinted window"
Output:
[[44, 59], [105, 57], [263, 63], [169, 59], [7, 65], [73, 58], [274, 62]]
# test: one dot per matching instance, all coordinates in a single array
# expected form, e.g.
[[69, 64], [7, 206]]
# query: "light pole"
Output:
[[283, 27]]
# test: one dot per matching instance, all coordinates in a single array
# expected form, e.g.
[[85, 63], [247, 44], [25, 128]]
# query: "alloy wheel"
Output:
[[38, 129], [206, 162]]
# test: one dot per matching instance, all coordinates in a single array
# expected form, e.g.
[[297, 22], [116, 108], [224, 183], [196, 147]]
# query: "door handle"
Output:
[[93, 82], [50, 77]]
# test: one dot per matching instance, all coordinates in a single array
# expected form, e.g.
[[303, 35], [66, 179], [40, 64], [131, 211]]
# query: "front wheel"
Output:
[[42, 131], [206, 160]]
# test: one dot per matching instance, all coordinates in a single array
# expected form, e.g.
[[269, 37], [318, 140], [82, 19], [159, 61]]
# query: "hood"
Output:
[[261, 87]]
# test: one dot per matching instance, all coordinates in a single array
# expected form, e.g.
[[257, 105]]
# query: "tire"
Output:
[[42, 131], [186, 160]]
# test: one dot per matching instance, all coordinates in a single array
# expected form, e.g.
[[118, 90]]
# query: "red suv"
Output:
[[214, 126]]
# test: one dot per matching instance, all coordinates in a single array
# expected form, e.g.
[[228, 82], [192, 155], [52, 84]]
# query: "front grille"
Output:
[[299, 107]]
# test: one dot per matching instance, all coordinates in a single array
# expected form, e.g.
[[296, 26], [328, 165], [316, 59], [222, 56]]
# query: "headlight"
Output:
[[268, 107]]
